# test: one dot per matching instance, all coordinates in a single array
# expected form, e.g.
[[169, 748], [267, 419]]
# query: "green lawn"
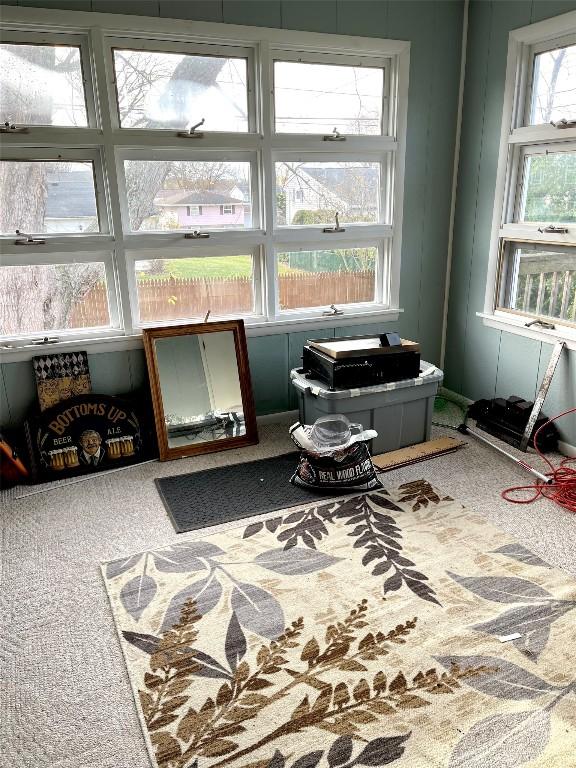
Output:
[[210, 266]]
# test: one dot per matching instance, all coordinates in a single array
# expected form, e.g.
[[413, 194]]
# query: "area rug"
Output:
[[393, 627], [224, 494]]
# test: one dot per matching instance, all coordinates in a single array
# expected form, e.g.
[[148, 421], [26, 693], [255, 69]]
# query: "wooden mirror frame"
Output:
[[150, 336]]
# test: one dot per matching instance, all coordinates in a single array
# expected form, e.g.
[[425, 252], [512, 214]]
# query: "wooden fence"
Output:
[[176, 298]]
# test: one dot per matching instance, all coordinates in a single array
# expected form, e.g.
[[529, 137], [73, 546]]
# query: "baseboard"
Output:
[[271, 418], [566, 449], [454, 397]]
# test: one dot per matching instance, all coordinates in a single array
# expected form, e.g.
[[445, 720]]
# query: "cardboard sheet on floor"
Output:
[[385, 462]]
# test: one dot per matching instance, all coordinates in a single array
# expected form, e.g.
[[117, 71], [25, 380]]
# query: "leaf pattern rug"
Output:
[[358, 632]]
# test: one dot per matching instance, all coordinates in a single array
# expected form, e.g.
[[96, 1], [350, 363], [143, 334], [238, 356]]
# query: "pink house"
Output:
[[202, 209]]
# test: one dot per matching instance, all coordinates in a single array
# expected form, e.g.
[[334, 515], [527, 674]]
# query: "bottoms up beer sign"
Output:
[[84, 434]]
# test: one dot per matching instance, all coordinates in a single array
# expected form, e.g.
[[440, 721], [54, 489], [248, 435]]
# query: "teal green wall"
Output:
[[482, 361], [434, 28]]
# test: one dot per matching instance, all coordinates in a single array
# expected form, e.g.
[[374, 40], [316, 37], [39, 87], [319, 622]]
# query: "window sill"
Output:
[[254, 327], [512, 325]]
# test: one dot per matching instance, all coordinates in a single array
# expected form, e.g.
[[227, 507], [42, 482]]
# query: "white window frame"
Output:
[[187, 155], [517, 140], [73, 39], [192, 48], [381, 268], [377, 62], [97, 34], [207, 251]]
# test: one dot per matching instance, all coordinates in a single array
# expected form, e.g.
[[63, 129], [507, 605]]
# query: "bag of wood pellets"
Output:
[[334, 456]]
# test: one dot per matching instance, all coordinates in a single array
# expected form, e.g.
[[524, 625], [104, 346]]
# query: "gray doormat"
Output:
[[214, 496]]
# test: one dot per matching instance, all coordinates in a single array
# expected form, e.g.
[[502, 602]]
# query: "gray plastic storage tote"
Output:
[[401, 411]]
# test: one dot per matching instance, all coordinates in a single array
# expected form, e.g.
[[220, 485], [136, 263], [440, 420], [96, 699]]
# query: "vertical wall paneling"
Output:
[[363, 17], [518, 362], [21, 390], [268, 357], [505, 15], [61, 5], [414, 25], [477, 55], [310, 15], [546, 9], [110, 373], [137, 369], [136, 7], [198, 10], [5, 417], [364, 330], [253, 13], [440, 159]]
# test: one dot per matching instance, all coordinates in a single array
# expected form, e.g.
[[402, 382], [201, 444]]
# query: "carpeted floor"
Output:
[[66, 700]]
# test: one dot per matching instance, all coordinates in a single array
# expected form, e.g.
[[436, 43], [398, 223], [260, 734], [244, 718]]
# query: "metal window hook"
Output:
[[564, 123], [9, 127], [542, 324], [334, 136], [552, 229], [193, 133], [333, 310], [25, 239], [337, 228]]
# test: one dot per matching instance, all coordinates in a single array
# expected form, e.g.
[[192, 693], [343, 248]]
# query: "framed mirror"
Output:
[[201, 388]]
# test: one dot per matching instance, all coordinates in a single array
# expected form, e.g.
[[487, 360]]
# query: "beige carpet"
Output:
[[363, 630], [65, 698]]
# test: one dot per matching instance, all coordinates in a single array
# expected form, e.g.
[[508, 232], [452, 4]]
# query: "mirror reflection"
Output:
[[200, 388]]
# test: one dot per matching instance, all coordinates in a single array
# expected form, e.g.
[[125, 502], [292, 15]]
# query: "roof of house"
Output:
[[184, 197], [70, 195]]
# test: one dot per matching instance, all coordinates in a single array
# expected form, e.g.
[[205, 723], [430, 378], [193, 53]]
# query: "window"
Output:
[[60, 197], [552, 89], [534, 247], [158, 191], [180, 288], [322, 189], [42, 84], [165, 90], [313, 278], [315, 98], [158, 174]]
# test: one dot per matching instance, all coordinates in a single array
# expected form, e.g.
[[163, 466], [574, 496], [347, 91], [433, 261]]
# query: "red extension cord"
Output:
[[562, 490]]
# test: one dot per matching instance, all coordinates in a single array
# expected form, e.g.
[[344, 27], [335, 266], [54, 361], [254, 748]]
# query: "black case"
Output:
[[361, 371], [506, 419]]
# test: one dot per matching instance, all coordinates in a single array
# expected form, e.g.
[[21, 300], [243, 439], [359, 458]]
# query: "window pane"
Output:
[[41, 85], [54, 297], [175, 91], [554, 86], [315, 98], [321, 278], [311, 193], [172, 289], [549, 191], [43, 197], [179, 195], [543, 281]]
